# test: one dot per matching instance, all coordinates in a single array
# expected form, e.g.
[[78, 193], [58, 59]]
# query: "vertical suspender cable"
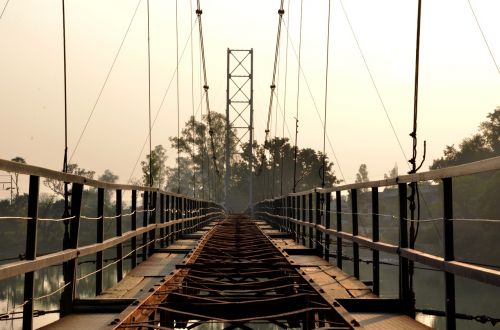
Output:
[[413, 134], [149, 103], [326, 93], [275, 134], [65, 162], [204, 147], [295, 152], [284, 104], [178, 109], [192, 98], [413, 160]]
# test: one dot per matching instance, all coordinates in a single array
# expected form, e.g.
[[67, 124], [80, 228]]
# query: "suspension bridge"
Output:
[[338, 256]]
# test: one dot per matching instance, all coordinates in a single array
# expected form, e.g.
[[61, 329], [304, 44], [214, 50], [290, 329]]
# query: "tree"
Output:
[[482, 145], [108, 176], [158, 159], [16, 175], [392, 173], [272, 165], [490, 130], [362, 175], [58, 186]]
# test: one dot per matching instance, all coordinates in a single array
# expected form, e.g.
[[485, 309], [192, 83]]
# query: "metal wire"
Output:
[[105, 81], [314, 104], [4, 8]]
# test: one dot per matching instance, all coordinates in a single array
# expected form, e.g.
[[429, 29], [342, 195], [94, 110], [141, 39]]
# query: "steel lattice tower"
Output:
[[239, 115]]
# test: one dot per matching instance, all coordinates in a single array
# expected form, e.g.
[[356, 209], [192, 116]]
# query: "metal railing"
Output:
[[165, 217], [307, 215]]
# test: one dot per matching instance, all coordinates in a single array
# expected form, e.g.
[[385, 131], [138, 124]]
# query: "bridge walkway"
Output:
[[100, 311], [340, 286], [333, 284]]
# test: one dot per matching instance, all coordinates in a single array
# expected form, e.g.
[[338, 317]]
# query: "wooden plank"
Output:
[[122, 287], [308, 260], [336, 291], [81, 321], [377, 321], [158, 265]]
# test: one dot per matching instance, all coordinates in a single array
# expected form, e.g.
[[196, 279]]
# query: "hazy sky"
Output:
[[459, 83]]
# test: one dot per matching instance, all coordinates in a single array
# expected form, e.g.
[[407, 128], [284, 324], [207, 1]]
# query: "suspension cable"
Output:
[[205, 87], [281, 11], [298, 97]]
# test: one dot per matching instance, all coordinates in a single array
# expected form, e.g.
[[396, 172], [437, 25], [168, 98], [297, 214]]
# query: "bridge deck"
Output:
[[333, 283]]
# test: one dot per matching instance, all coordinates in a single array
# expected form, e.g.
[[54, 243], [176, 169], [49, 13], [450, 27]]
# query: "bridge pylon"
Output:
[[239, 120]]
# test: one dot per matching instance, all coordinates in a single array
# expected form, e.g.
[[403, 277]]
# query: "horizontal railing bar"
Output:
[[481, 166], [15, 167], [21, 267], [478, 273]]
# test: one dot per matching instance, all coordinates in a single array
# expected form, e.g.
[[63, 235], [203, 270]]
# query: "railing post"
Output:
[[289, 214], [338, 201], [294, 217], [31, 244], [328, 200], [449, 253], [177, 216], [355, 246], [133, 226], [100, 238], [162, 220], [303, 218], [404, 285], [310, 219], [69, 267], [375, 238], [119, 232], [152, 220], [296, 202], [190, 215], [145, 215], [183, 215], [318, 233], [168, 230], [284, 223]]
